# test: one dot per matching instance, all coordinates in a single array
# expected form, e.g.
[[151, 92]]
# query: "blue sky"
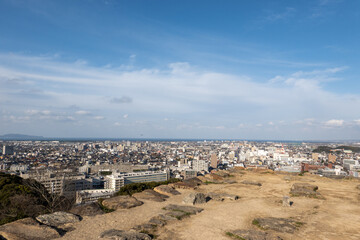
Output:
[[180, 69]]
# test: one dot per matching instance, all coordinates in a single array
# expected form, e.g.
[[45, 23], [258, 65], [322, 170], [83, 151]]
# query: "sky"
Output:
[[271, 70]]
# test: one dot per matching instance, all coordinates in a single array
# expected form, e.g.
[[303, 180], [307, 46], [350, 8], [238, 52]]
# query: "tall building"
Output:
[[8, 150], [213, 161], [200, 165]]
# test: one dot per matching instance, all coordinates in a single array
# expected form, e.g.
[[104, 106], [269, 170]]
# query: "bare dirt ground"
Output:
[[336, 217]]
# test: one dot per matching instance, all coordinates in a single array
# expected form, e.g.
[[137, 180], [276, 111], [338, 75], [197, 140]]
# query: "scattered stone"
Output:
[[277, 224], [121, 202], [189, 209], [27, 229], [90, 209], [178, 214], [58, 218], [358, 187], [166, 190], [221, 196], [252, 235], [150, 195], [184, 185], [304, 189], [195, 198], [286, 201], [230, 181], [123, 235], [251, 183]]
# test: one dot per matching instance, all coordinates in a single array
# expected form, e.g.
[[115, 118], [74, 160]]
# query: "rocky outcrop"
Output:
[[221, 196], [195, 198], [150, 195], [123, 235], [248, 182], [286, 201], [277, 224], [251, 235], [175, 212], [182, 208], [166, 190], [58, 218], [121, 202], [90, 209], [28, 229], [304, 189]]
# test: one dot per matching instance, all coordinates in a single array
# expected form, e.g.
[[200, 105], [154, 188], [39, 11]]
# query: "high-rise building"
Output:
[[8, 150], [213, 161], [200, 165]]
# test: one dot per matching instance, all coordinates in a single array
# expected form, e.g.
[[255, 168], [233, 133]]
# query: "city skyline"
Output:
[[166, 69]]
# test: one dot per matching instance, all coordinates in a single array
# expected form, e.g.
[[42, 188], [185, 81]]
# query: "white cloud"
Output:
[[334, 123], [99, 117], [82, 112], [126, 116]]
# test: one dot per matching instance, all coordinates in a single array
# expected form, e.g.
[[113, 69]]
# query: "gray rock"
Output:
[[195, 198], [27, 229], [90, 209], [114, 234], [189, 209], [166, 190], [222, 196], [277, 224], [58, 218], [286, 201], [248, 182], [121, 202], [252, 235], [150, 195]]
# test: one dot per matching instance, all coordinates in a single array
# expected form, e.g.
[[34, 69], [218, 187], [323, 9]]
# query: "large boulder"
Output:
[[166, 190], [195, 198], [115, 234], [251, 235], [27, 229], [90, 209], [121, 202], [221, 196], [58, 218], [150, 195], [277, 224], [304, 189]]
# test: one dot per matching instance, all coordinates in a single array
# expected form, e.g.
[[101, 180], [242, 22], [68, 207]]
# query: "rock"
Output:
[[230, 181], [252, 235], [150, 195], [304, 189], [195, 198], [221, 196], [189, 209], [194, 181], [90, 209], [166, 190], [286, 201], [251, 183], [123, 235], [358, 187], [58, 218], [27, 229], [121, 202], [184, 185], [277, 224]]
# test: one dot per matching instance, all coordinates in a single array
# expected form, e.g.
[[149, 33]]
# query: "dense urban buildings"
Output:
[[97, 169]]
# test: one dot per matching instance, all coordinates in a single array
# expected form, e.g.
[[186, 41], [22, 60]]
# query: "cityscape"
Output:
[[179, 120]]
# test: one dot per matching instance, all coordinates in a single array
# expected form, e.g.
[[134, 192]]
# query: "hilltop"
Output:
[[329, 209]]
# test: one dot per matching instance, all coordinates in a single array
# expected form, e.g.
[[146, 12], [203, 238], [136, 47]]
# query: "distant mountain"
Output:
[[20, 137]]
